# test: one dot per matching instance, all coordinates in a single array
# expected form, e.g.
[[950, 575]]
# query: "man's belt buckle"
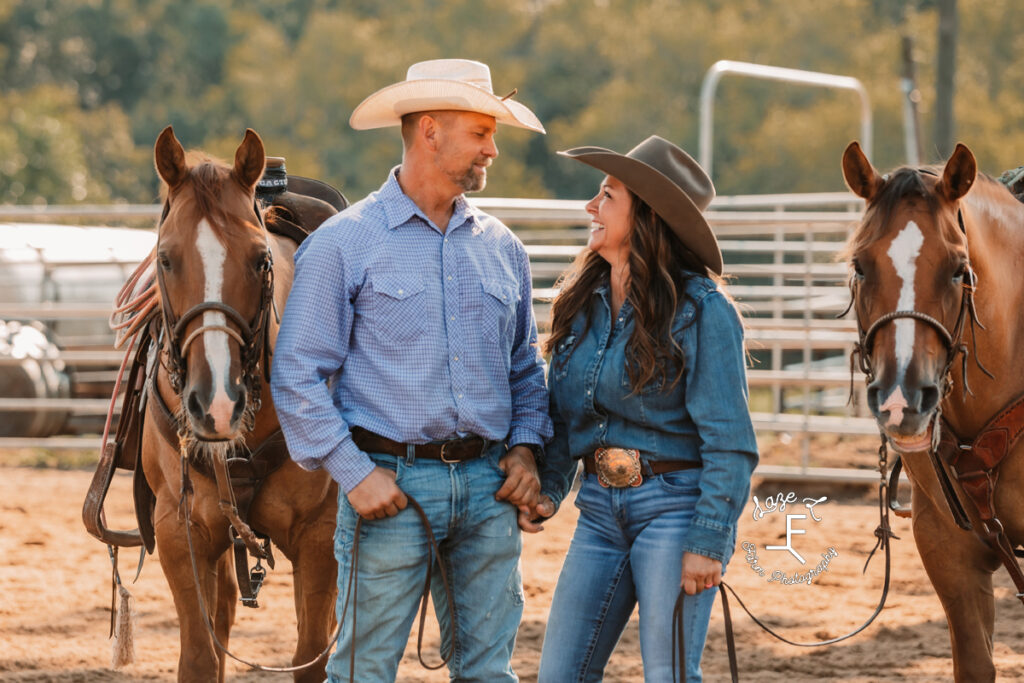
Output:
[[453, 442], [444, 449], [618, 467]]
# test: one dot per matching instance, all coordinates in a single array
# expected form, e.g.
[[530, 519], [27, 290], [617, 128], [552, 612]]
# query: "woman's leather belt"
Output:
[[622, 467], [454, 450]]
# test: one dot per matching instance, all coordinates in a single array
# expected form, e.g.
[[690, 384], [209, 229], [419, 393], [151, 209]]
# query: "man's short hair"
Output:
[[411, 121]]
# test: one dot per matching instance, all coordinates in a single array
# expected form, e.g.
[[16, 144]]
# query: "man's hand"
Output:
[[700, 573], [378, 496], [531, 520], [522, 484]]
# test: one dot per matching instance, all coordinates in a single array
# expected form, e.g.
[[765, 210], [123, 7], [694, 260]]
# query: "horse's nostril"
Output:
[[236, 414], [873, 398], [195, 406], [929, 398]]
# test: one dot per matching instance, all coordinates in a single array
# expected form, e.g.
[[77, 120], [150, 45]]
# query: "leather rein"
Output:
[[975, 463]]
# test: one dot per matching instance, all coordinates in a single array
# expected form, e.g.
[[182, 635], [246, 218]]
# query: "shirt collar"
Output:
[[399, 208]]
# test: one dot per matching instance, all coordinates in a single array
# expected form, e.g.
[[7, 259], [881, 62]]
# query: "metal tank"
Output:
[[56, 284]]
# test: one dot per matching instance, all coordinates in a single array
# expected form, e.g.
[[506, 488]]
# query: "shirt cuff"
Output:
[[348, 465], [710, 538], [524, 435]]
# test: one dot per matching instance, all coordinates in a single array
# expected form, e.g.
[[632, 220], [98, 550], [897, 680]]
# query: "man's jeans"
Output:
[[480, 545], [627, 549]]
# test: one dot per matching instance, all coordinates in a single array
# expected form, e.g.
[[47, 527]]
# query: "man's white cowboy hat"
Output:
[[442, 84]]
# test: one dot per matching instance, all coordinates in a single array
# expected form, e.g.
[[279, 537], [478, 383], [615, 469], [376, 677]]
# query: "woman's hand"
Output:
[[700, 573], [531, 519]]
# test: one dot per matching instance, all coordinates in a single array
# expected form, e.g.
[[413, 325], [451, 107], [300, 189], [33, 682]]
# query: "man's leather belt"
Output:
[[455, 450]]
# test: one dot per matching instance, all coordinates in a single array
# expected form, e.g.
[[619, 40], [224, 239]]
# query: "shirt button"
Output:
[[460, 395], [601, 425], [456, 357], [588, 392], [401, 292], [452, 318], [449, 277]]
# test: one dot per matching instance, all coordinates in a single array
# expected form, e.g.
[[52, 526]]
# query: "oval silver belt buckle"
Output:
[[618, 467]]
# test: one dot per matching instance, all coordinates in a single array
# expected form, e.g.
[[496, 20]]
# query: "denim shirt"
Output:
[[703, 417]]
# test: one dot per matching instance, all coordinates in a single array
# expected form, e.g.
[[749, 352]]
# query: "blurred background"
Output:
[[86, 85]]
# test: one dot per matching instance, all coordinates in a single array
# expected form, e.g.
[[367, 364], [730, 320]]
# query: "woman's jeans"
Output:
[[627, 550], [480, 545]]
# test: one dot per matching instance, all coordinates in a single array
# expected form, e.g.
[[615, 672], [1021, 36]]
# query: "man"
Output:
[[407, 364]]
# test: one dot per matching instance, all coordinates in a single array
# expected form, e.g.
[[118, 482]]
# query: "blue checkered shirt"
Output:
[[408, 332]]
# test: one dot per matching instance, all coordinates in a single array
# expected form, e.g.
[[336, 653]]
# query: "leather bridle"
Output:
[[951, 339], [252, 336]]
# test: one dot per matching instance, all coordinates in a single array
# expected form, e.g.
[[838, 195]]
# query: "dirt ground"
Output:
[[55, 595]]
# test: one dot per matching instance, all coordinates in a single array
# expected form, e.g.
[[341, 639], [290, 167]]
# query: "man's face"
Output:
[[466, 148]]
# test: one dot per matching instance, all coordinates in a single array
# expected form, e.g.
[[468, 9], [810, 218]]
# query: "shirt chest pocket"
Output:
[[497, 311], [560, 357], [398, 307]]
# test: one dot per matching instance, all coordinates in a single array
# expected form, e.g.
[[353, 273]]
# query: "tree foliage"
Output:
[[86, 85]]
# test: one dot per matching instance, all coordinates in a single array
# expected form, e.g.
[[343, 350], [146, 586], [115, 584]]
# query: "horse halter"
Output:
[[953, 340], [252, 336]]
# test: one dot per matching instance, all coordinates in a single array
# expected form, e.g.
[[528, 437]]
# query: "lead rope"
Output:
[[883, 532], [351, 591]]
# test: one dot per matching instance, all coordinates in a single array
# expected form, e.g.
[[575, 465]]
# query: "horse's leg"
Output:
[[315, 576], [198, 659], [227, 601], [960, 568]]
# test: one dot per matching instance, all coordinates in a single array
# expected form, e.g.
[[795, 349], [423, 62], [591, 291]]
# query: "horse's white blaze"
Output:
[[904, 251], [213, 255]]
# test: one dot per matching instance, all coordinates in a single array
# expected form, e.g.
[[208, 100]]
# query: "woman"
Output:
[[648, 388]]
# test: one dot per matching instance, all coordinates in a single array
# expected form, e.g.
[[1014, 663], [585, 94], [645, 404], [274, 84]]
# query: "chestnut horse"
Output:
[[222, 278], [936, 273]]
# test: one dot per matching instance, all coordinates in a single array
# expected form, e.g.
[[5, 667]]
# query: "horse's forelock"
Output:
[[903, 184], [208, 180]]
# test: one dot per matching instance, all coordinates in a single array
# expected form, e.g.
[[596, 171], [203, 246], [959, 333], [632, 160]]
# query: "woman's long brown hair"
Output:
[[659, 267]]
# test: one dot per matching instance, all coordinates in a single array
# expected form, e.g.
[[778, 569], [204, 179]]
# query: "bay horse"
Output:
[[936, 275], [222, 277]]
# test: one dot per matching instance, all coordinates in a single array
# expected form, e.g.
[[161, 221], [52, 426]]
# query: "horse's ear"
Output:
[[860, 175], [959, 174], [249, 160], [169, 156]]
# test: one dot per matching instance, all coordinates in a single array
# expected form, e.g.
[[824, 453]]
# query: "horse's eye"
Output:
[[960, 272], [858, 270], [165, 262]]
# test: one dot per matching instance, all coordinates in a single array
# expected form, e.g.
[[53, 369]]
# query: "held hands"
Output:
[[522, 488], [378, 496], [700, 573]]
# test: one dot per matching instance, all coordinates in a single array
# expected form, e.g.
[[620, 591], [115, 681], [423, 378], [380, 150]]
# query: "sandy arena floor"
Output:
[[55, 596]]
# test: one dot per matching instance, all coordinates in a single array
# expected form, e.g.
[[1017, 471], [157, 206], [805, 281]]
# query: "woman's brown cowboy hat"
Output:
[[671, 182]]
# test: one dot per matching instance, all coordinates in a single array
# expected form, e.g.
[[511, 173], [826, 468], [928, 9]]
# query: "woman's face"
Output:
[[610, 221]]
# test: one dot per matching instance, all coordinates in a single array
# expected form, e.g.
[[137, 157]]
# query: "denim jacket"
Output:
[[703, 417]]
